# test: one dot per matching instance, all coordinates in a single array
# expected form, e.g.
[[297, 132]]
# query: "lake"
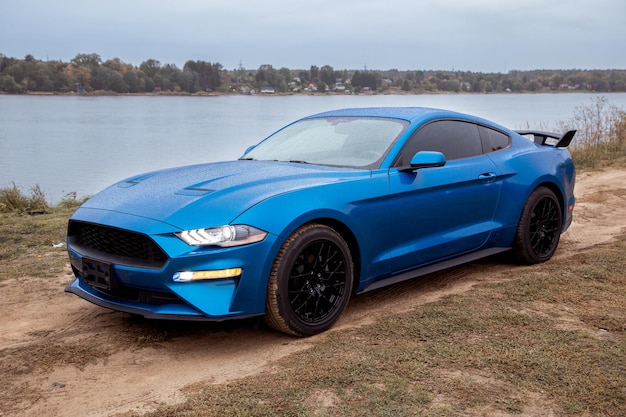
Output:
[[82, 144]]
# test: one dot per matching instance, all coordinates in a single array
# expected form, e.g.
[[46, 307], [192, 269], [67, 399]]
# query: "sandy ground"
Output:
[[62, 356]]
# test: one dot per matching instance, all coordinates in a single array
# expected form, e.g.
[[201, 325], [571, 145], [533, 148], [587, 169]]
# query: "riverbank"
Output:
[[388, 91]]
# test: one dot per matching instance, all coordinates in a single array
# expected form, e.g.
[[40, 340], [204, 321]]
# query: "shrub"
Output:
[[13, 200], [601, 136]]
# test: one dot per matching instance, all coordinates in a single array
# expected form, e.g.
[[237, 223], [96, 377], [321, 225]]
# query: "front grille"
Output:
[[116, 245]]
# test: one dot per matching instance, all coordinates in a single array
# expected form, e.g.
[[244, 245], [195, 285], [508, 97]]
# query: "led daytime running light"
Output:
[[189, 276]]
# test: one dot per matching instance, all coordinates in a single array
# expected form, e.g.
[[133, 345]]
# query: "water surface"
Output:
[[82, 144]]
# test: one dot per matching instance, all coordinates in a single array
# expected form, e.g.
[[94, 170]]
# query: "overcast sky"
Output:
[[473, 35]]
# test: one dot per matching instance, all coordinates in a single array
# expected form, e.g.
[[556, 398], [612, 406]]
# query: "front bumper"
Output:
[[152, 292], [168, 311]]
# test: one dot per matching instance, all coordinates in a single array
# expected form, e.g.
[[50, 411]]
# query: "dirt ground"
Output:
[[62, 356]]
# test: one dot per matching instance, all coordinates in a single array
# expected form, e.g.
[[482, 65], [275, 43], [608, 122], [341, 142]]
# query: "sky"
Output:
[[466, 35]]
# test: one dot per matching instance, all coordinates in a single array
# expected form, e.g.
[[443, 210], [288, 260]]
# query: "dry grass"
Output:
[[550, 340], [13, 200], [601, 134], [33, 244]]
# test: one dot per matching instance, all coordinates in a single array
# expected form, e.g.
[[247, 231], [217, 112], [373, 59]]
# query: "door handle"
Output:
[[487, 176]]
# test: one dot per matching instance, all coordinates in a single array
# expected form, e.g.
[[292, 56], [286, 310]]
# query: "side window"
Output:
[[494, 140], [455, 139]]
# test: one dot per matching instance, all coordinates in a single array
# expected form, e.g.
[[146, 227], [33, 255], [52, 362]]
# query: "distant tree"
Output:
[[106, 79], [207, 74], [189, 81], [450, 85], [556, 81], [46, 77], [362, 79], [88, 71], [284, 78], [616, 82], [532, 85], [73, 76], [86, 60], [132, 80], [17, 71], [314, 72], [116, 65], [168, 78], [146, 83], [304, 76], [511, 84], [6, 62], [599, 81], [327, 75], [150, 67], [579, 78], [267, 76], [8, 84]]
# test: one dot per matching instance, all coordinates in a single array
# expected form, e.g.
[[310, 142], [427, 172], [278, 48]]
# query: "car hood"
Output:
[[211, 194]]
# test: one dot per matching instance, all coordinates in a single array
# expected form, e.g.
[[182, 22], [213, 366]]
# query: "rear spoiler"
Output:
[[550, 139]]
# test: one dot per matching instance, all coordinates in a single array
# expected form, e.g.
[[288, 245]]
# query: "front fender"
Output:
[[362, 206]]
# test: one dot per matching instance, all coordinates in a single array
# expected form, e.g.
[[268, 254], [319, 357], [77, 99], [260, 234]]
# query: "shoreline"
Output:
[[387, 92]]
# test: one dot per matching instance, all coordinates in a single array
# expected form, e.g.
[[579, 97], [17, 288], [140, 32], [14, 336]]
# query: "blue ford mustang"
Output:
[[333, 204]]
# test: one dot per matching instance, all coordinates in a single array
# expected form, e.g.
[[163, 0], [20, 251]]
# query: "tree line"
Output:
[[88, 73]]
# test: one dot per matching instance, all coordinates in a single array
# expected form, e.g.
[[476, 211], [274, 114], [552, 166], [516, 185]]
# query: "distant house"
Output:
[[267, 90]]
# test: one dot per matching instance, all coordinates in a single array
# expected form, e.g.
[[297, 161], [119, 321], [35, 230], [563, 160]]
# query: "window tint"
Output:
[[494, 140], [455, 139]]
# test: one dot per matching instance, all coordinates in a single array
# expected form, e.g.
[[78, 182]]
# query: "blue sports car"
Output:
[[333, 204]]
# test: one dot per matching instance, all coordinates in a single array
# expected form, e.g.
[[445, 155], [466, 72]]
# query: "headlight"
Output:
[[224, 236]]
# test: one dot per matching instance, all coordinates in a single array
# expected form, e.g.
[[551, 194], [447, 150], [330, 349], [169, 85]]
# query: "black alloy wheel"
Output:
[[539, 229], [310, 283]]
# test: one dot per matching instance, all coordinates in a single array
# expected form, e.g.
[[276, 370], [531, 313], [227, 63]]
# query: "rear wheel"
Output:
[[310, 282], [539, 228]]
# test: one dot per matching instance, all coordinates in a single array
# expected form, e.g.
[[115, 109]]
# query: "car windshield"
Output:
[[357, 142]]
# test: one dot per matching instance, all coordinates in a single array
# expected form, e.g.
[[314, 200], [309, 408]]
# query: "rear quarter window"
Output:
[[494, 140]]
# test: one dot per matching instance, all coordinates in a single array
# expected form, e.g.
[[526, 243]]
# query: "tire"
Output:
[[539, 228], [310, 283]]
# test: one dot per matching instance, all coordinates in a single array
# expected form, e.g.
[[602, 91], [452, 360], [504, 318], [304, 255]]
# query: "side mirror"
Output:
[[424, 159]]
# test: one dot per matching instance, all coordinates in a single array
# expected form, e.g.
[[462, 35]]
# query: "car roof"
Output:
[[410, 114], [405, 113]]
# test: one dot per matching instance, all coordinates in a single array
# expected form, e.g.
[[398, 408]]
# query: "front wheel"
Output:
[[310, 282], [539, 228]]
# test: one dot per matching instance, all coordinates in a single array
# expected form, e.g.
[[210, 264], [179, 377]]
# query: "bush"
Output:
[[601, 136], [13, 200]]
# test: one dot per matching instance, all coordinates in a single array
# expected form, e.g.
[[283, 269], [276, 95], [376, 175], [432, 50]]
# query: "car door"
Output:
[[441, 212]]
